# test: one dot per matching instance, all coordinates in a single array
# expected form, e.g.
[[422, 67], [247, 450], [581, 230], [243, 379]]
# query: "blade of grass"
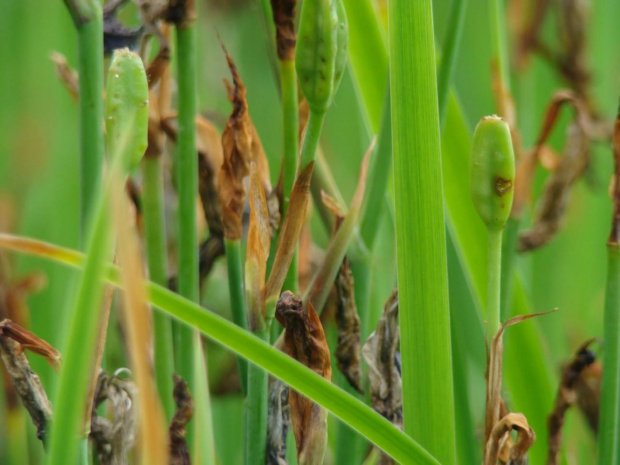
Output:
[[156, 251], [609, 423], [352, 411], [449, 53], [428, 406], [368, 55]]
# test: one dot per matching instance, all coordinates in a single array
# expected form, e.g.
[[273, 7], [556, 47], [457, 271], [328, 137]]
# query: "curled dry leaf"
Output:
[[284, 19], [241, 145], [179, 452], [565, 398], [493, 415], [114, 438], [13, 340], [30, 341], [500, 445], [379, 352], [279, 421], [551, 207], [258, 244], [304, 340]]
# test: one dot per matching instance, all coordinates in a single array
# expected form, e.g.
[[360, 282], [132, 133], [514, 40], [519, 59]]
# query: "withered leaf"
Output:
[[588, 389], [284, 19], [258, 245], [552, 205], [565, 398], [179, 452], [13, 339], [379, 352], [500, 445], [289, 234], [112, 439], [494, 373], [304, 340], [241, 145], [279, 421], [30, 341]]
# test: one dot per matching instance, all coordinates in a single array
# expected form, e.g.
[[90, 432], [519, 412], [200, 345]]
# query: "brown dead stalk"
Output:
[[179, 452]]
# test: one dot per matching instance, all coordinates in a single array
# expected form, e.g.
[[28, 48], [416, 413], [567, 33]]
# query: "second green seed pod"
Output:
[[492, 174]]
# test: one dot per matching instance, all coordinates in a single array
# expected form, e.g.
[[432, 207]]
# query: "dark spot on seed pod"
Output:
[[502, 186]]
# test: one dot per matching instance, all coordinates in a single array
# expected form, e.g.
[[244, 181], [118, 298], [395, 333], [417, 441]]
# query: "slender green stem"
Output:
[[187, 182], [256, 414], [237, 302], [156, 252], [90, 68], [312, 136], [609, 423], [428, 407], [449, 53], [509, 255], [290, 115], [494, 270]]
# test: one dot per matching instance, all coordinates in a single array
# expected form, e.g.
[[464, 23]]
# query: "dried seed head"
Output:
[[492, 171]]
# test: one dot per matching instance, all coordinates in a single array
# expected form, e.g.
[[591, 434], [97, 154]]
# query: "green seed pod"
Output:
[[492, 171], [315, 56], [342, 44], [127, 108]]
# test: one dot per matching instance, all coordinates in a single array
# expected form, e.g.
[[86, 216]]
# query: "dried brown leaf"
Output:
[[13, 340], [566, 396], [241, 145], [156, 69], [258, 245], [289, 234], [284, 19], [379, 352], [304, 340], [500, 445], [179, 452], [494, 373], [30, 341]]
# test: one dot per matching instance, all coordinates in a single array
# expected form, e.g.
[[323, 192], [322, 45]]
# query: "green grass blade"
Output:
[[350, 410], [609, 423], [368, 55], [428, 406]]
